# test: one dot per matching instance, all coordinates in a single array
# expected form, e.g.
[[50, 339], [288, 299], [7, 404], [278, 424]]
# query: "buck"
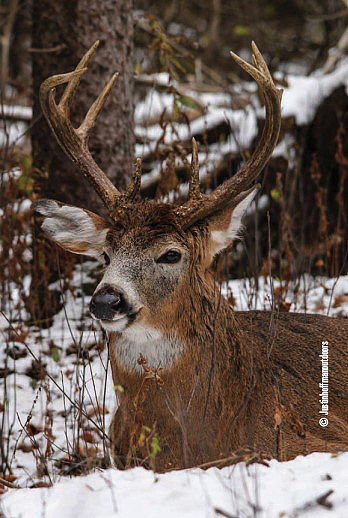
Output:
[[204, 380]]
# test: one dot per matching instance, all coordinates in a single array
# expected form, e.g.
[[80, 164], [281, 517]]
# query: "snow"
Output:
[[20, 112], [301, 99], [285, 489], [304, 94], [13, 134], [307, 295], [73, 377]]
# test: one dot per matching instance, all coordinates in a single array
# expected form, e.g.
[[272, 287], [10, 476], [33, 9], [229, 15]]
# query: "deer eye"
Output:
[[170, 257], [106, 258]]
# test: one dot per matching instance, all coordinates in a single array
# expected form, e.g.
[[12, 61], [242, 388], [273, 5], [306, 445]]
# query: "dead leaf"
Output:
[[98, 410], [40, 483], [88, 437], [9, 477], [26, 448], [340, 301], [284, 307], [277, 419], [37, 371], [33, 429]]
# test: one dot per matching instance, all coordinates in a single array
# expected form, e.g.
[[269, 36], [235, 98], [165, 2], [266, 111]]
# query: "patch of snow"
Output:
[[262, 203], [289, 489], [304, 94], [20, 112], [15, 132], [307, 295]]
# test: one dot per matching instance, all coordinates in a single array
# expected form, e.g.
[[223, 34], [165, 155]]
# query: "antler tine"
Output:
[[74, 142], [134, 185], [69, 91], [270, 133], [194, 191], [93, 112], [230, 192]]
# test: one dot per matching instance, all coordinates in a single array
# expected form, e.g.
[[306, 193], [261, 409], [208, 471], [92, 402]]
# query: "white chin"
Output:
[[115, 326]]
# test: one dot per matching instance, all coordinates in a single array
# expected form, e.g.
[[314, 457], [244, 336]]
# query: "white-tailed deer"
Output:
[[202, 378]]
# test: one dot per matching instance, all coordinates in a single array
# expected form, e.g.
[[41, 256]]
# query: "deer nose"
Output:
[[106, 303]]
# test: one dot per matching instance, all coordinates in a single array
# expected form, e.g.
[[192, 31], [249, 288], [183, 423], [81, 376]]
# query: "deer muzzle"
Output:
[[108, 304]]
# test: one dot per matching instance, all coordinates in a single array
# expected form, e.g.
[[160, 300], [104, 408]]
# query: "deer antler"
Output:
[[231, 192], [74, 141]]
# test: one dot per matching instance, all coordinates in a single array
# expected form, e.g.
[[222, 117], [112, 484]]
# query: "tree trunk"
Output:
[[62, 32], [72, 27]]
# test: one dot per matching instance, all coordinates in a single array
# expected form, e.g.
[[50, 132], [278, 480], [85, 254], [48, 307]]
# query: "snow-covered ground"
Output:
[[314, 486]]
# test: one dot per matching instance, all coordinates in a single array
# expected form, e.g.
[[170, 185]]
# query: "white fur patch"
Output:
[[160, 350], [222, 238]]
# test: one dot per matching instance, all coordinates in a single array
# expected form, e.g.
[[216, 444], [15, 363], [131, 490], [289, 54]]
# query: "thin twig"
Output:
[[55, 383], [49, 50], [6, 483]]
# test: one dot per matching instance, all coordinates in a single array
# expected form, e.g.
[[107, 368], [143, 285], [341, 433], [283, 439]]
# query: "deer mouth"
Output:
[[119, 322]]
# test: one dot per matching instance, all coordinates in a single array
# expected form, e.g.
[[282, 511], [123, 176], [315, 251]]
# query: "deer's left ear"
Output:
[[77, 230], [226, 225]]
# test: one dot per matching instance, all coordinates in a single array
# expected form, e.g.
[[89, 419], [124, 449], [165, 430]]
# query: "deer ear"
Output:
[[226, 225], [77, 230]]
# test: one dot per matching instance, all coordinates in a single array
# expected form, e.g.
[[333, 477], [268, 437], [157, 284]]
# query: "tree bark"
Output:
[[74, 26]]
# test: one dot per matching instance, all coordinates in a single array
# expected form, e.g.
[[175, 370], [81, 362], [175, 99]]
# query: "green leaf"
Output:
[[26, 163], [118, 388], [25, 184], [275, 194], [176, 110], [55, 354], [155, 445], [189, 102]]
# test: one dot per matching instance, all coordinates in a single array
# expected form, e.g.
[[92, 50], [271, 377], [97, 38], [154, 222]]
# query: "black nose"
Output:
[[106, 303]]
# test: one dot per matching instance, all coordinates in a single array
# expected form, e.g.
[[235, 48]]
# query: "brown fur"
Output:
[[225, 392]]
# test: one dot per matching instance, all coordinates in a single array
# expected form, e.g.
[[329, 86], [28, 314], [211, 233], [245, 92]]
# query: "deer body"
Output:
[[204, 416], [224, 376], [202, 380]]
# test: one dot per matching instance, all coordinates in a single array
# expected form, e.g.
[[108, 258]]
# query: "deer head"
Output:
[[154, 253]]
